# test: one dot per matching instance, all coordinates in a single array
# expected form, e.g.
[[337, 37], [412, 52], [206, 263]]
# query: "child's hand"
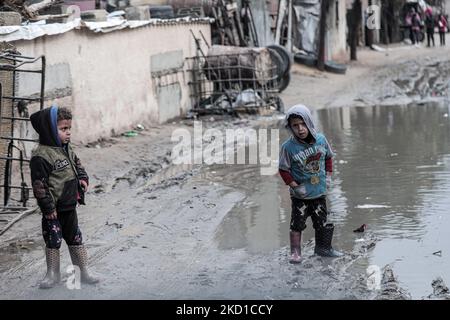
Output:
[[51, 216], [299, 191], [84, 185]]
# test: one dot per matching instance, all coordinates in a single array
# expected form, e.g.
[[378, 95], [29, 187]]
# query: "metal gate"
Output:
[[14, 183]]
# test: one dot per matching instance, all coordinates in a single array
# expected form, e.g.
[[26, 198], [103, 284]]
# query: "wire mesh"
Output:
[[231, 82]]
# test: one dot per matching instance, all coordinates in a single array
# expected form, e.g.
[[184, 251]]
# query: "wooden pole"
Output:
[[354, 28], [384, 22], [289, 37], [280, 17], [322, 31]]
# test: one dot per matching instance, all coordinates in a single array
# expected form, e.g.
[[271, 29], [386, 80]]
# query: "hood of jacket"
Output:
[[45, 122], [302, 111]]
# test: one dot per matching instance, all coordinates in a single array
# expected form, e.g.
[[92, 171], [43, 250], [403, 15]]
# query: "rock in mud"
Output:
[[390, 288], [440, 290]]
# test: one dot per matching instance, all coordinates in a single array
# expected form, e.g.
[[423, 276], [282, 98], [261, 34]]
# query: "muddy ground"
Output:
[[156, 231]]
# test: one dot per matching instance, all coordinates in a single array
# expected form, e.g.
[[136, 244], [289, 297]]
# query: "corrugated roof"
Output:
[[32, 31]]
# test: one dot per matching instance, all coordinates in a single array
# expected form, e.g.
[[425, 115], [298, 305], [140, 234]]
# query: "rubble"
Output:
[[237, 79], [390, 288], [440, 290], [30, 12]]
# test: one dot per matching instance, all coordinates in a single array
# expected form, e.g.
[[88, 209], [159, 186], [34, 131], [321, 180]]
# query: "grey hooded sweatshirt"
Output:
[[306, 162]]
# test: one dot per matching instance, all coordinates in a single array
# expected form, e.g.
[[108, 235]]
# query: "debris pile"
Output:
[[29, 12], [237, 79]]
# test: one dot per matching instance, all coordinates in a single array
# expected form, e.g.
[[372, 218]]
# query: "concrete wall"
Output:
[[116, 80], [337, 30]]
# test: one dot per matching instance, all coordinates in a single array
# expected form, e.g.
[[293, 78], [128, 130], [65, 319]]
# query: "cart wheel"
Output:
[[278, 103], [287, 59], [280, 63], [284, 82]]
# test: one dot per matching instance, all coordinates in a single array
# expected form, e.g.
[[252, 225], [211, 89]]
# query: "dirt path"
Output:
[[150, 226], [396, 76]]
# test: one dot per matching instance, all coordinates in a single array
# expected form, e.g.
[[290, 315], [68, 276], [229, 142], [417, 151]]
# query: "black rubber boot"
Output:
[[53, 276], [324, 236], [296, 250], [79, 258]]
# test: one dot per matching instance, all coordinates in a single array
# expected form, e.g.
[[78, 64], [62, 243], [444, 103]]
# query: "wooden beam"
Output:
[[16, 219]]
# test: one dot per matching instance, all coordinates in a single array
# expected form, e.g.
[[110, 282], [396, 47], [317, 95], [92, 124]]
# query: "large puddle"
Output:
[[392, 172]]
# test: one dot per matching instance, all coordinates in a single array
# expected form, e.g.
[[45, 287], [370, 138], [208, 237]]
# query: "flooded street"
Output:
[[392, 173], [158, 230]]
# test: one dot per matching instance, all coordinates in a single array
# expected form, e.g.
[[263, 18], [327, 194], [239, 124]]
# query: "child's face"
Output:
[[64, 128], [299, 128]]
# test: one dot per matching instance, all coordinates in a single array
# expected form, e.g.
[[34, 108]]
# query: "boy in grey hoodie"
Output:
[[305, 165]]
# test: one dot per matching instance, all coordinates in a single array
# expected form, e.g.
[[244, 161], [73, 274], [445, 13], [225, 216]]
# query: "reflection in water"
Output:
[[392, 172]]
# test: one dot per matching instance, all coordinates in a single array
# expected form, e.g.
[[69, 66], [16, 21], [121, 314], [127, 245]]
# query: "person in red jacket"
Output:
[[442, 24]]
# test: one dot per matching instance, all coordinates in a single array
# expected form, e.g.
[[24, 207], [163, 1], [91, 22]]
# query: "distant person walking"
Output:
[[442, 24], [408, 22], [415, 27], [429, 23]]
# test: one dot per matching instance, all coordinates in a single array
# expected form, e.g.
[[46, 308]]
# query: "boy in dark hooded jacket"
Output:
[[59, 182], [306, 165]]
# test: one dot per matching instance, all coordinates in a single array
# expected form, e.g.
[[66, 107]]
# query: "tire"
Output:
[[309, 61], [277, 102], [335, 67], [284, 82], [161, 12], [280, 64], [287, 58], [283, 77]]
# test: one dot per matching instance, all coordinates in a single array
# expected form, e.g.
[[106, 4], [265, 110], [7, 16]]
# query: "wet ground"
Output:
[[397, 185], [196, 232], [159, 231]]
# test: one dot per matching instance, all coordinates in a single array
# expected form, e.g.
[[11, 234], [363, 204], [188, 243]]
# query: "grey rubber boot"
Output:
[[53, 276], [324, 236], [79, 257], [296, 250]]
